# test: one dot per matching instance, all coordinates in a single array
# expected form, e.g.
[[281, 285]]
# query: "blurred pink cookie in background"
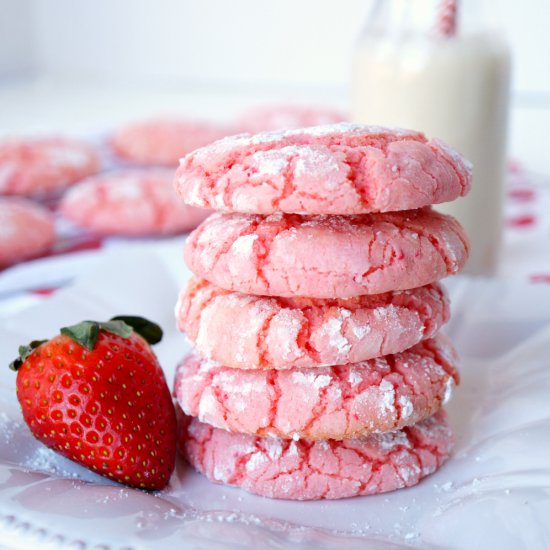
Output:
[[41, 166], [26, 230], [341, 169], [336, 402], [163, 141], [254, 332], [265, 118], [326, 256], [314, 470], [130, 202]]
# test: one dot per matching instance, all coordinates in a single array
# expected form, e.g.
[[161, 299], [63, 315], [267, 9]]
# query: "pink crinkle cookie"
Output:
[[306, 470], [326, 256], [265, 118], [163, 141], [339, 402], [41, 166], [26, 230], [336, 169], [130, 202], [254, 332]]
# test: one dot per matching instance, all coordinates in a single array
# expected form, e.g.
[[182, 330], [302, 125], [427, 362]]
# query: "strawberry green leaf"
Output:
[[24, 352], [84, 333], [148, 330], [120, 328]]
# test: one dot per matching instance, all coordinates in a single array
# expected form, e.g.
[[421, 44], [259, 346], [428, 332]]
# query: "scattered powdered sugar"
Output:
[[243, 140], [259, 385], [274, 448], [319, 163], [207, 407], [446, 486], [311, 379], [406, 406], [323, 445], [46, 460], [239, 405], [288, 320], [293, 448], [244, 245], [333, 328], [8, 427], [381, 313], [381, 364], [344, 313], [255, 461], [388, 441], [351, 128], [334, 394], [273, 163], [409, 470], [451, 249], [194, 192], [360, 331], [388, 397], [354, 378], [219, 474], [203, 339]]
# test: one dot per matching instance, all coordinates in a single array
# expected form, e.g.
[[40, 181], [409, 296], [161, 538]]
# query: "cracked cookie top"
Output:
[[339, 402], [326, 256], [341, 169]]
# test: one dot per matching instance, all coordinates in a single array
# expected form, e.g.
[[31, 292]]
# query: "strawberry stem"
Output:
[[86, 334]]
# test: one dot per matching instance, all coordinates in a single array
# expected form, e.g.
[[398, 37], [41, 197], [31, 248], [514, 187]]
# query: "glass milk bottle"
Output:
[[430, 65]]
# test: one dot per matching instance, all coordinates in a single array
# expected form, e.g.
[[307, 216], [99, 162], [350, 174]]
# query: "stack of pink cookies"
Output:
[[318, 370]]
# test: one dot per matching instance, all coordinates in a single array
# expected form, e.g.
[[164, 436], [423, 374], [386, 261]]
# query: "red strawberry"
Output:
[[97, 394]]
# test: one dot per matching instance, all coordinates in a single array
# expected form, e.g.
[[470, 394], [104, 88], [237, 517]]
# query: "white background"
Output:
[[93, 64], [235, 41]]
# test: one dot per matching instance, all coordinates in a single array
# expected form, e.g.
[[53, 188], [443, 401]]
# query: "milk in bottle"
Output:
[[451, 85]]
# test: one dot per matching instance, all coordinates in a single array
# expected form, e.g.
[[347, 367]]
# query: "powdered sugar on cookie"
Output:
[[258, 332], [306, 470], [334, 169], [336, 402]]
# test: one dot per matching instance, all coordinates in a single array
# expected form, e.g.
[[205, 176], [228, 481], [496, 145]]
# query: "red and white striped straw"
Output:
[[446, 18]]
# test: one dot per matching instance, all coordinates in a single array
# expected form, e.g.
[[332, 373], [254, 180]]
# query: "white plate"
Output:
[[494, 492]]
